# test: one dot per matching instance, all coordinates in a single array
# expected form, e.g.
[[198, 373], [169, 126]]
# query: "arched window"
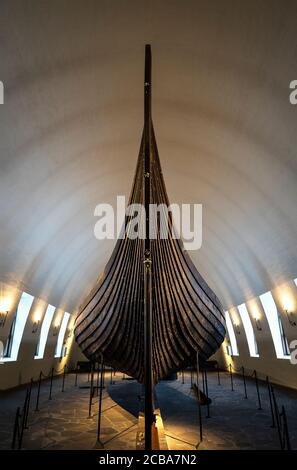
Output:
[[46, 323], [249, 331], [276, 327], [60, 342], [233, 343], [17, 328]]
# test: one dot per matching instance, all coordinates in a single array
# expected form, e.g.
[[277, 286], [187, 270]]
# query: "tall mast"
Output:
[[148, 379]]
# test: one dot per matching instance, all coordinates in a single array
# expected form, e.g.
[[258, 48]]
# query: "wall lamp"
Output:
[[290, 317], [258, 324], [35, 326], [69, 332], [55, 330], [3, 316]]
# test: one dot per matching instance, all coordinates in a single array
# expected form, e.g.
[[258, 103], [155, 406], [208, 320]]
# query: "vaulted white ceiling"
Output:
[[71, 124]]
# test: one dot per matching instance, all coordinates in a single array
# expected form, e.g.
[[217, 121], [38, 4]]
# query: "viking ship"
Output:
[[151, 311]]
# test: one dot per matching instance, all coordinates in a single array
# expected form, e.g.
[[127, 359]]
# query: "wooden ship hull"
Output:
[[151, 309]]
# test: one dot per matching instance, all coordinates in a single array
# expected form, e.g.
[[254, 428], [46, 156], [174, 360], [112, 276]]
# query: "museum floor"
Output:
[[63, 423]]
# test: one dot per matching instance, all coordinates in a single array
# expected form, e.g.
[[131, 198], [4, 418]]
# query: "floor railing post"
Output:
[[16, 427], [203, 381], [231, 377], [218, 372], [286, 430], [258, 392], [64, 376], [244, 382], [183, 377], [198, 395], [97, 381], [270, 402], [111, 382], [23, 420], [51, 384], [38, 392], [277, 417], [91, 389], [103, 383], [100, 399], [76, 373], [28, 404], [206, 392]]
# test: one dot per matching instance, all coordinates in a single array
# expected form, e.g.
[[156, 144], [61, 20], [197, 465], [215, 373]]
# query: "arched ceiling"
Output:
[[71, 124]]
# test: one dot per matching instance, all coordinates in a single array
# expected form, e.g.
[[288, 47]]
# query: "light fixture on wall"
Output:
[[290, 317], [36, 326], [55, 330], [69, 332], [237, 329], [4, 307], [258, 323], [3, 316], [228, 347]]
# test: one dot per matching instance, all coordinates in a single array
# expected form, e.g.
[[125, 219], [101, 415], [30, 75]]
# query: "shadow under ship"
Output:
[[186, 318]]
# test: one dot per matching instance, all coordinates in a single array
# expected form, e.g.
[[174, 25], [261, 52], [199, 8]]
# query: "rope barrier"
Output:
[[22, 414], [279, 418], [21, 420]]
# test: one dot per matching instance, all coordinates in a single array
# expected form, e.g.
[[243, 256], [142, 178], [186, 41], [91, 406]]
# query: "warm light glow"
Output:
[[288, 304], [256, 315], [254, 311], [5, 304], [37, 315], [57, 321], [235, 318], [71, 323]]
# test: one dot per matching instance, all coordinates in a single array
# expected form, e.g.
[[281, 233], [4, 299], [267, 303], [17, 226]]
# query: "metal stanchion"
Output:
[[97, 380], [16, 429], [100, 399], [19, 424], [270, 402], [51, 384], [191, 377], [64, 376], [206, 392], [244, 383], [277, 417], [286, 431], [103, 386], [218, 372], [183, 377], [258, 392], [38, 392], [28, 404], [111, 382], [203, 382], [231, 377], [198, 394], [91, 389], [76, 373]]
